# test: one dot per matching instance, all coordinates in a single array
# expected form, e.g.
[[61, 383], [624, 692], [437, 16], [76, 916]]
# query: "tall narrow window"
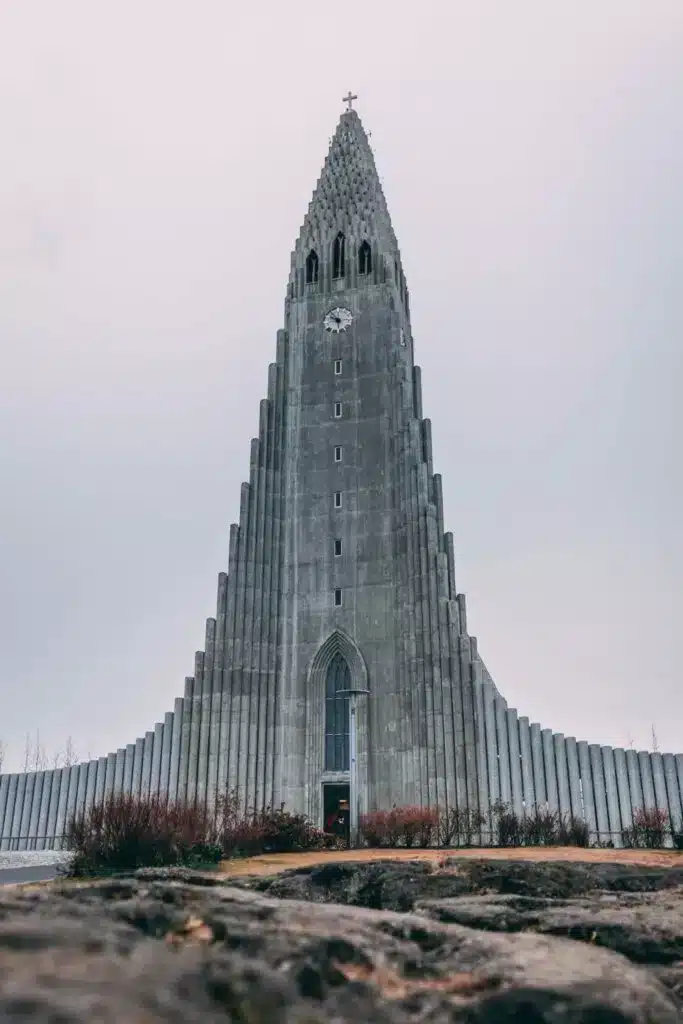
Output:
[[365, 258], [338, 256], [312, 267], [338, 546], [337, 717], [337, 499], [337, 410], [337, 367], [337, 453], [337, 598]]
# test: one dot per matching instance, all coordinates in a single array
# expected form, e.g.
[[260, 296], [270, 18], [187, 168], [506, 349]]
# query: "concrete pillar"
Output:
[[528, 795], [61, 822], [119, 765], [25, 811], [128, 769], [146, 764], [100, 782], [600, 793], [155, 781], [91, 786], [587, 790], [57, 778], [137, 766], [540, 790], [32, 810], [174, 754], [184, 749], [649, 800], [673, 793], [110, 775], [550, 773], [679, 773], [574, 778], [500, 706], [491, 747], [635, 785], [4, 786], [564, 800], [660, 788], [43, 811], [609, 769], [515, 765], [9, 812], [482, 760], [623, 789], [165, 770]]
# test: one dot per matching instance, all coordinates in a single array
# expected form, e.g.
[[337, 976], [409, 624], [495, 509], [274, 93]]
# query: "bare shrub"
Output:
[[650, 828]]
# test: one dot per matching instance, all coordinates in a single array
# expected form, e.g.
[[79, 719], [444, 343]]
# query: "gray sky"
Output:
[[157, 162]]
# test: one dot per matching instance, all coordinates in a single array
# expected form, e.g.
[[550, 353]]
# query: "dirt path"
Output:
[[272, 864]]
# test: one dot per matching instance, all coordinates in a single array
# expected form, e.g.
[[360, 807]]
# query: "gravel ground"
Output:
[[33, 858]]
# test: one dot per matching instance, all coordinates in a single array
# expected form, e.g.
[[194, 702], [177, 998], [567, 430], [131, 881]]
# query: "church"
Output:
[[339, 663]]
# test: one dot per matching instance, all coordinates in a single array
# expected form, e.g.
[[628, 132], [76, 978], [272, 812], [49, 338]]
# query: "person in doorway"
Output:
[[339, 821]]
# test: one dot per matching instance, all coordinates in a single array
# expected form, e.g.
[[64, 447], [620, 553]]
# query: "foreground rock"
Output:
[[181, 946]]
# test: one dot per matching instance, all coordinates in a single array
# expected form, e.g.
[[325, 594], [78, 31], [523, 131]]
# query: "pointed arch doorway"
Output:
[[336, 675]]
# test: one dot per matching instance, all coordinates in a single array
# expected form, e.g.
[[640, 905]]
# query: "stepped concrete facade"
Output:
[[341, 577]]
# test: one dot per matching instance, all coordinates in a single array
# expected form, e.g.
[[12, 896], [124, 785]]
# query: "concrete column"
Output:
[[128, 769], [540, 791], [33, 824], [184, 749], [574, 777], [146, 764], [197, 713], [515, 765], [53, 808], [43, 811], [587, 790], [609, 769], [550, 773], [4, 786], [673, 793], [61, 822], [482, 759], [91, 785], [600, 792], [165, 769], [660, 786], [25, 813], [649, 799], [174, 753], [500, 706], [110, 776], [100, 783], [528, 794], [634, 783], [679, 772], [9, 811], [623, 790], [491, 748], [562, 774], [71, 798], [155, 782], [137, 766]]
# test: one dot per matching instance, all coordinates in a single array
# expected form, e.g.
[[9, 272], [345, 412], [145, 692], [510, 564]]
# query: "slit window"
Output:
[[365, 258], [338, 453], [338, 547], [337, 367], [337, 410], [312, 267], [337, 499], [338, 598], [338, 256]]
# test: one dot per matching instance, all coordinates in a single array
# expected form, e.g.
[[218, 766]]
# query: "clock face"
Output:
[[338, 319]]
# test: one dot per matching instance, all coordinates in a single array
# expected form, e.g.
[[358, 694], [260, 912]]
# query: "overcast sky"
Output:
[[157, 162]]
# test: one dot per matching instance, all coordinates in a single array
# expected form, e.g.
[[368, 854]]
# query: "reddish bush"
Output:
[[373, 828], [650, 828], [268, 830], [458, 825], [126, 832]]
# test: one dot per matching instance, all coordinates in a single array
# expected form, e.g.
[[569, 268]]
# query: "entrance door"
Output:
[[333, 792]]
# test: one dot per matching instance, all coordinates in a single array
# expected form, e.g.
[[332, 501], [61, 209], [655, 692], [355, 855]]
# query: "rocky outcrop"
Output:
[[320, 945]]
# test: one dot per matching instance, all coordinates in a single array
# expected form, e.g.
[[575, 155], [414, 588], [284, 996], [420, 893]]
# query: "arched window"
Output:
[[338, 256], [337, 715], [312, 267], [365, 258]]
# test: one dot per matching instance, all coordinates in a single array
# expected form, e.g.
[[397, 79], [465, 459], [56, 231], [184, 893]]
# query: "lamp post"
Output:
[[353, 774]]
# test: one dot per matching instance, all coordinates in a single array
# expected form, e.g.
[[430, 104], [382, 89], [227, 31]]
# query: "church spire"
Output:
[[348, 209]]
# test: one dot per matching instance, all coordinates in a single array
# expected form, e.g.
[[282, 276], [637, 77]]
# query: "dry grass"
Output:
[[272, 864]]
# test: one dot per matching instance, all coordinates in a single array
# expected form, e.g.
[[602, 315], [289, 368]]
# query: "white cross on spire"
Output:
[[349, 99]]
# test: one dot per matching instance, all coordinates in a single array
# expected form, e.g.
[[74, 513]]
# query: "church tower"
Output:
[[367, 598]]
